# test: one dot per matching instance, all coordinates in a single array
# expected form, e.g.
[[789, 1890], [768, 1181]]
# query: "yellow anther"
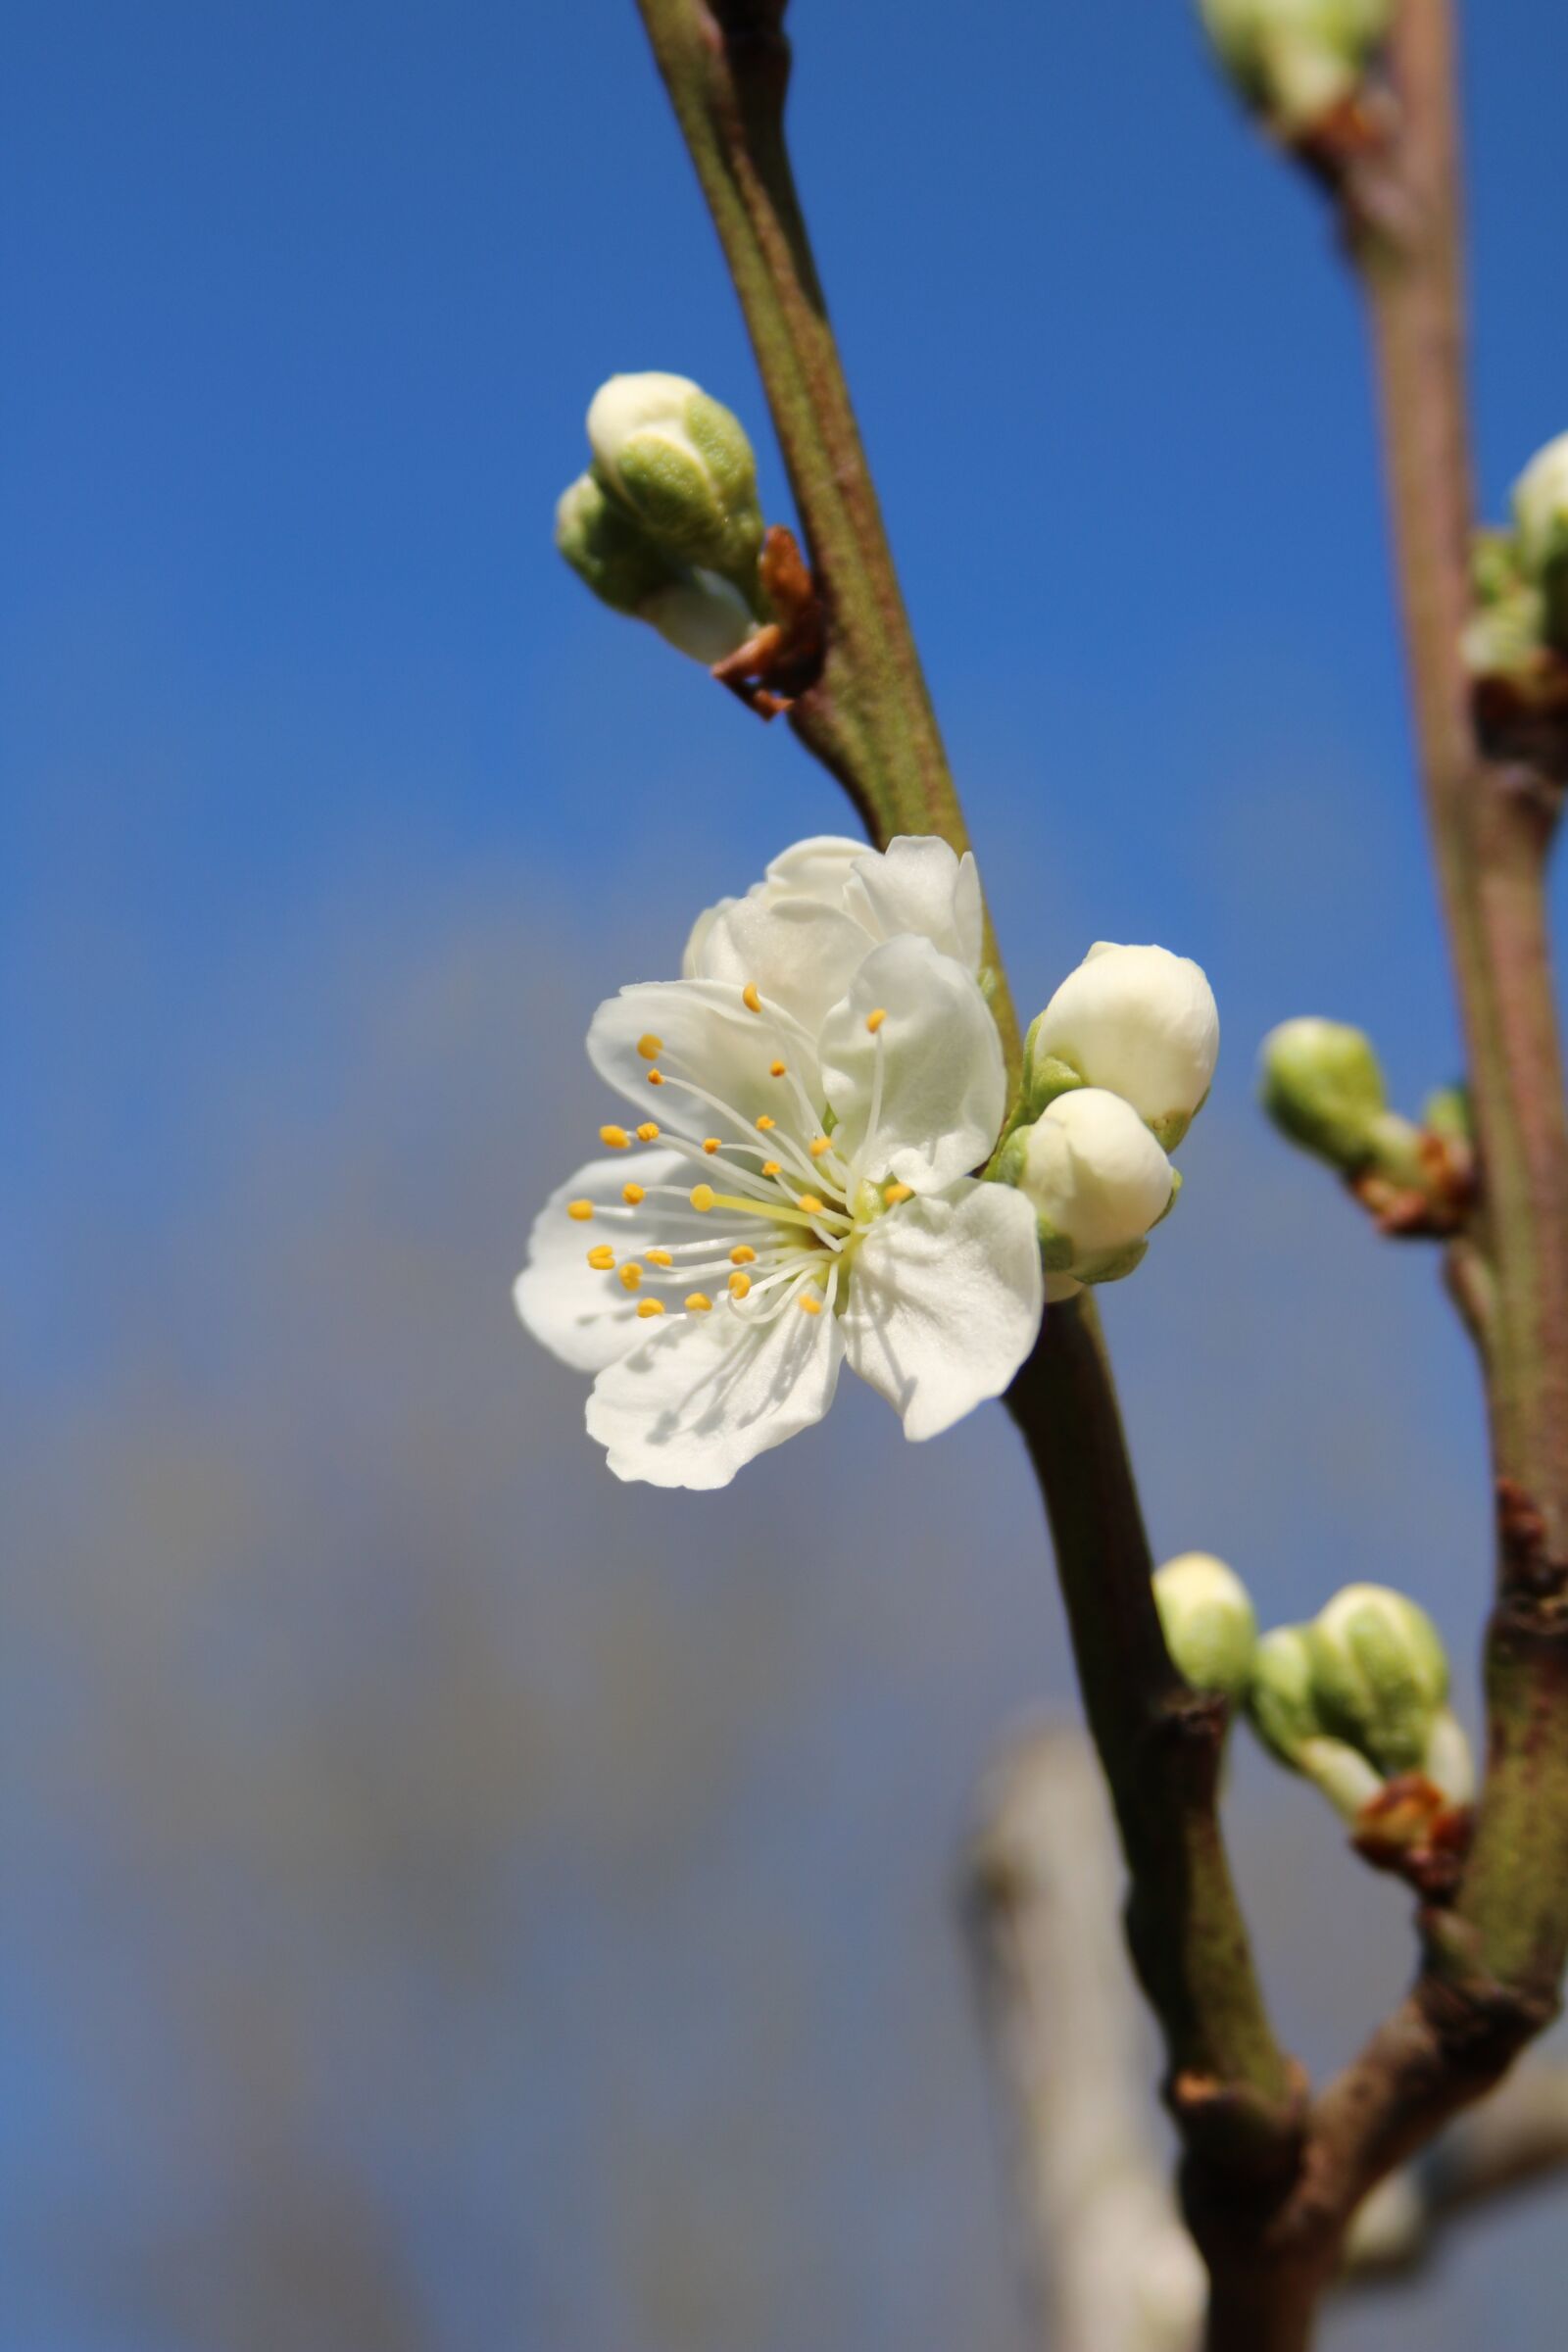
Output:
[[703, 1195], [650, 1306], [656, 1077], [615, 1139], [775, 1069], [818, 1145], [739, 1285], [810, 1303], [764, 1122], [659, 1257], [699, 1304], [650, 1047], [896, 1193], [579, 1212], [709, 1145], [741, 1256], [750, 998], [874, 1021], [812, 1207], [631, 1275], [647, 1132], [602, 1258], [772, 1168], [631, 1193]]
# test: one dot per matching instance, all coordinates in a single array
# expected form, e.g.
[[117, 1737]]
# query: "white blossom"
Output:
[[803, 1195]]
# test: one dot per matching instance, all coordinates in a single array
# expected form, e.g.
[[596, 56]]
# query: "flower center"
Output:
[[788, 1210]]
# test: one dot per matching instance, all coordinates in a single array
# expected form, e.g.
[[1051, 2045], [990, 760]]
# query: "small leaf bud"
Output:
[[607, 549], [1098, 1182], [1209, 1621], [681, 464], [1295, 60], [1139, 1022]]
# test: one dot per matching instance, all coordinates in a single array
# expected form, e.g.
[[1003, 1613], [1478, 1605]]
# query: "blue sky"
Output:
[[331, 803]]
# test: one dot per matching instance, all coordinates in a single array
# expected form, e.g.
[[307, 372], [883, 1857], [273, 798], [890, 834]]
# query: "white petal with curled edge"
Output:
[[707, 1394], [707, 1037], [798, 953], [921, 885], [944, 1084], [818, 868], [589, 1318], [945, 1303]]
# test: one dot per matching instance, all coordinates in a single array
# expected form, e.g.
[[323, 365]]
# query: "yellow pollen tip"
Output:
[[659, 1257], [647, 1133], [750, 998], [898, 1192], [775, 1069], [602, 1258], [647, 1307], [631, 1275], [615, 1139], [631, 1193], [579, 1212], [703, 1195], [772, 1168], [650, 1047], [812, 1207], [874, 1021], [656, 1077], [709, 1145], [764, 1122], [699, 1304], [739, 1285], [818, 1145], [810, 1303], [743, 1256]]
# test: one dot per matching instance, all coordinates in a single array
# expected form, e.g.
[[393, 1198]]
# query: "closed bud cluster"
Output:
[[1210, 1627], [681, 465], [666, 525], [1295, 60], [1321, 1084], [1360, 1697], [1115, 1069]]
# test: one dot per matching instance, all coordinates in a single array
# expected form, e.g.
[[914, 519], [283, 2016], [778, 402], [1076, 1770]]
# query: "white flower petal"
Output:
[[921, 885], [944, 1085], [818, 868], [798, 953], [1139, 1021], [945, 1303], [704, 1396], [706, 1037], [586, 1317]]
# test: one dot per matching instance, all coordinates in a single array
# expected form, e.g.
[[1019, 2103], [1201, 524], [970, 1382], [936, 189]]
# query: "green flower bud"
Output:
[[1293, 61], [1209, 1621], [1540, 517], [1283, 1708], [695, 610], [1321, 1084], [1380, 1677], [1447, 1112], [680, 462]]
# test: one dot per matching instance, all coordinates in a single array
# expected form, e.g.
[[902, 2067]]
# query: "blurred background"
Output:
[[454, 1900]]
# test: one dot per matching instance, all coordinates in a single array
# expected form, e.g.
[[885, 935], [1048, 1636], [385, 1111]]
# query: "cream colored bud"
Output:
[[1380, 1676], [1541, 508], [1209, 1621], [1295, 60], [1137, 1021], [681, 464], [1282, 1707], [1097, 1179]]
